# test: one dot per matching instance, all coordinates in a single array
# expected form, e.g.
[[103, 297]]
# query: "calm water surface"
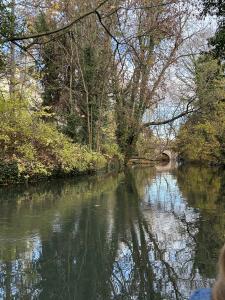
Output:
[[144, 234]]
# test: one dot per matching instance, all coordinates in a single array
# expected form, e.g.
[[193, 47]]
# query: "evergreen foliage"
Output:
[[217, 8]]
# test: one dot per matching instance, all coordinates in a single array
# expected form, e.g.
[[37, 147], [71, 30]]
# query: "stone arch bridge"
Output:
[[169, 155]]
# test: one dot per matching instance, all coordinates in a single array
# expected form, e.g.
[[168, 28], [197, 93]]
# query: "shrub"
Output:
[[8, 172]]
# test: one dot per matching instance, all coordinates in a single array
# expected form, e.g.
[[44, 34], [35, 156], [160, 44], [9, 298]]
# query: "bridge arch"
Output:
[[167, 155]]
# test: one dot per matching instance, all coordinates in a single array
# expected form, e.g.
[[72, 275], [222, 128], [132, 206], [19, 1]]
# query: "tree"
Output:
[[76, 74], [150, 50], [217, 8], [202, 137], [6, 22]]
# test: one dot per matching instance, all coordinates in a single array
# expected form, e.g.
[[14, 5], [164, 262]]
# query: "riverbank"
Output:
[[10, 174], [205, 163], [35, 148]]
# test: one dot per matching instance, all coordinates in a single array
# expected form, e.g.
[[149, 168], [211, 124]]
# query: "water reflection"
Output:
[[144, 234]]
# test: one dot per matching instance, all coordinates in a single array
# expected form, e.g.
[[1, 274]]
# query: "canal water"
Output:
[[147, 233]]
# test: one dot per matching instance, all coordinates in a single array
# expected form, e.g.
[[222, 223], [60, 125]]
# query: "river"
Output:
[[146, 233]]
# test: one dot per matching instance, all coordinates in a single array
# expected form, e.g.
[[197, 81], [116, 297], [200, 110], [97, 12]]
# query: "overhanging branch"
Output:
[[157, 123], [94, 11], [174, 118], [50, 32]]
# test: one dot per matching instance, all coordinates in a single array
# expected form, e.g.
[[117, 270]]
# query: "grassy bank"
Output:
[[32, 148]]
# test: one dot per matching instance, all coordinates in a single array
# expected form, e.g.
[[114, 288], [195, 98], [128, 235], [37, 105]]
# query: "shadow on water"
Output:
[[146, 233]]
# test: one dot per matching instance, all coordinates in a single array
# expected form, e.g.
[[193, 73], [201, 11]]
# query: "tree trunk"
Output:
[[128, 148]]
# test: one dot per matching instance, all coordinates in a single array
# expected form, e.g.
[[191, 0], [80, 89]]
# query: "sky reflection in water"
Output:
[[142, 234]]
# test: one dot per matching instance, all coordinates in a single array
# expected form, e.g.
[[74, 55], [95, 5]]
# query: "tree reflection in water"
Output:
[[138, 235]]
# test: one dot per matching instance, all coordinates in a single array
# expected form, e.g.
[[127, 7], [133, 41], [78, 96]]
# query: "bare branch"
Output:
[[174, 118], [50, 32]]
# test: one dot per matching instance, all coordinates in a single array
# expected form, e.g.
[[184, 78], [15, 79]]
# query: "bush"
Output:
[[8, 172], [203, 141]]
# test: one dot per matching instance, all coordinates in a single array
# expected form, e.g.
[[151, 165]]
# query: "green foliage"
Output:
[[127, 131], [75, 78], [201, 142], [50, 68], [10, 25], [38, 148], [112, 150], [5, 20], [202, 137], [209, 79], [74, 128], [8, 172], [147, 144], [217, 8], [109, 145], [86, 113]]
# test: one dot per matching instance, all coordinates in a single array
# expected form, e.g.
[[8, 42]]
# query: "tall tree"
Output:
[[151, 48], [76, 73]]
